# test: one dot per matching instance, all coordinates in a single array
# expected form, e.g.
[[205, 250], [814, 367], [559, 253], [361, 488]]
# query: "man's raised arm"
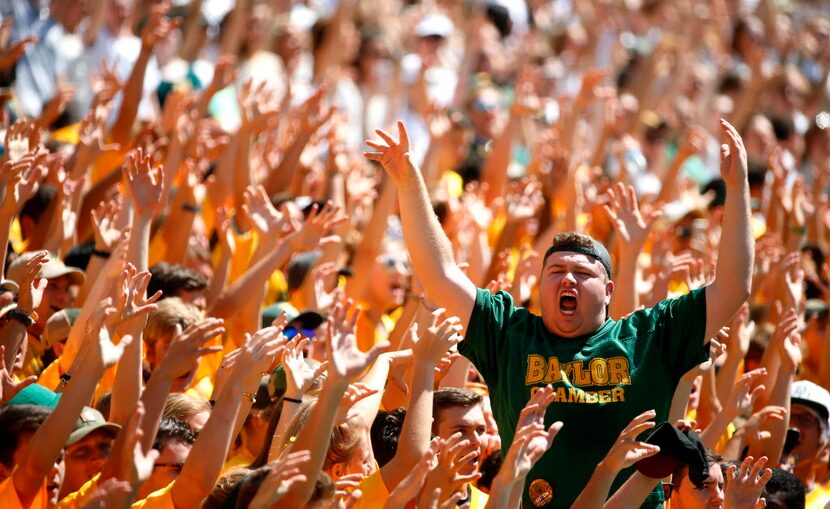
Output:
[[428, 246], [736, 254]]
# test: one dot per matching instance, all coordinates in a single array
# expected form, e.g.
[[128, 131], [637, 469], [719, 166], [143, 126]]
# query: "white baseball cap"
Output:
[[816, 397]]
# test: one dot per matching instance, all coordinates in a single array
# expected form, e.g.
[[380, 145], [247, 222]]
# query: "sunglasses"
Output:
[[290, 332]]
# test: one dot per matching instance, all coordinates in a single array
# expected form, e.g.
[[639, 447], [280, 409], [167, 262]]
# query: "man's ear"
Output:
[[609, 289]]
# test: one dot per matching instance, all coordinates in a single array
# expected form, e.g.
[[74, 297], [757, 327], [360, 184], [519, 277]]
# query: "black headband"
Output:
[[596, 251]]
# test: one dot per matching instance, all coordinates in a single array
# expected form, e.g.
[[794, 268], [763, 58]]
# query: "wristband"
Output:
[[292, 400], [101, 254], [191, 208], [20, 316], [65, 378]]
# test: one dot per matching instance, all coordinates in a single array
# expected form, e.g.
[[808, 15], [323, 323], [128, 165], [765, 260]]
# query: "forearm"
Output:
[[154, 397], [596, 491], [727, 375], [715, 430], [220, 276], [6, 218], [319, 425], [370, 243], [138, 252], [625, 298], [242, 170], [501, 492], [122, 128], [632, 493], [204, 463], [415, 432], [247, 284], [289, 410], [709, 405], [736, 254], [280, 178], [179, 225], [494, 172], [50, 439], [780, 396], [126, 388]]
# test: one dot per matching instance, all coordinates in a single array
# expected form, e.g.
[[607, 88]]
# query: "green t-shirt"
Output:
[[602, 380]]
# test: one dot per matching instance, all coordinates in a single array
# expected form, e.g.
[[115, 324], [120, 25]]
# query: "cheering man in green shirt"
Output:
[[604, 372]]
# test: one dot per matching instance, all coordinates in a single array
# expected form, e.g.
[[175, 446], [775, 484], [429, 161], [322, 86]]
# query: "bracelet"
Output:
[[212, 402], [795, 229], [250, 396], [191, 208], [101, 254], [22, 317], [65, 378], [292, 400]]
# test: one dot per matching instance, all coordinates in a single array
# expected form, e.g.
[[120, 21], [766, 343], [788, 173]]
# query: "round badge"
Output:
[[540, 492]]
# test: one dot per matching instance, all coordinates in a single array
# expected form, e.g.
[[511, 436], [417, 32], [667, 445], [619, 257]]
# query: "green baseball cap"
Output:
[[91, 420], [35, 395]]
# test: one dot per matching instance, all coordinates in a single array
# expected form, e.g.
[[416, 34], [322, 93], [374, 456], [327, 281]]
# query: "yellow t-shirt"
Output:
[[478, 499], [373, 492], [818, 497], [10, 500], [159, 499], [79, 498]]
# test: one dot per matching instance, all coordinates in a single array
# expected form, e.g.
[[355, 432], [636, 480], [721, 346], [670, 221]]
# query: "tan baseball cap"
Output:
[[54, 268], [58, 326]]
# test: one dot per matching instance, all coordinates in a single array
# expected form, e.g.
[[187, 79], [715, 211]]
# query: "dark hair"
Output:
[[450, 397], [79, 255], [173, 429], [224, 487], [104, 403], [16, 421], [788, 484], [385, 431], [490, 467], [574, 241], [172, 277], [683, 470]]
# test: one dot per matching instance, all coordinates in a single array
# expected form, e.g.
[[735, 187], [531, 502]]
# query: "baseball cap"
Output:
[[307, 319], [58, 326], [89, 421], [434, 24], [677, 448], [35, 395], [52, 269], [804, 392]]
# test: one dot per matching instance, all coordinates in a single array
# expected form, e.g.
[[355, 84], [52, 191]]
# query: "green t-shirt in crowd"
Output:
[[602, 380]]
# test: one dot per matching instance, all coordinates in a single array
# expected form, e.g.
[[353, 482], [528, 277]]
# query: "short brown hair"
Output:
[[450, 397], [170, 312]]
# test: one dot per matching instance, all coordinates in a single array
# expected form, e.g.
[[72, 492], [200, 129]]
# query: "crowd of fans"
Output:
[[352, 254]]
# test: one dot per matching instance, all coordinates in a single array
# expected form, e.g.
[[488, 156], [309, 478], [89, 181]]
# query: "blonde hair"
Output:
[[344, 440], [171, 312], [184, 407]]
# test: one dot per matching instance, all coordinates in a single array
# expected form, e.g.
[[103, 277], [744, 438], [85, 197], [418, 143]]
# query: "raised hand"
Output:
[[787, 340], [266, 219], [354, 393], [145, 183], [158, 26], [258, 354], [733, 167], [283, 474], [624, 212], [346, 361], [745, 485], [346, 491], [443, 334], [8, 386], [455, 455], [313, 113], [104, 224], [12, 54], [31, 285], [105, 85], [22, 138], [133, 303], [627, 450], [745, 392], [187, 346], [22, 179], [532, 439], [411, 485], [393, 155], [101, 347], [316, 225], [298, 374]]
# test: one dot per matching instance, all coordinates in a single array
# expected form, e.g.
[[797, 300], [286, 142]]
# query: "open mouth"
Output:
[[567, 303], [53, 487]]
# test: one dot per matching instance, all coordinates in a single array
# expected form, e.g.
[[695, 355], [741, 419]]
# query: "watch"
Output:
[[22, 317]]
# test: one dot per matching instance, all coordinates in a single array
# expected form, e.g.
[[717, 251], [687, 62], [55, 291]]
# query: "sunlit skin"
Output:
[[362, 461], [53, 481], [686, 495], [809, 447], [470, 422], [567, 277], [60, 293]]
